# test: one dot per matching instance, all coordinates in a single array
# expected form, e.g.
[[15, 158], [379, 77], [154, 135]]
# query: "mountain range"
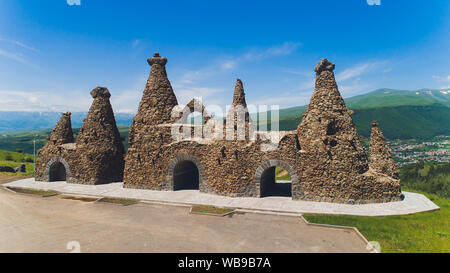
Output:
[[402, 114]]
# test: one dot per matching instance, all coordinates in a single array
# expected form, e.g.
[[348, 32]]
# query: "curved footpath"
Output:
[[412, 203]]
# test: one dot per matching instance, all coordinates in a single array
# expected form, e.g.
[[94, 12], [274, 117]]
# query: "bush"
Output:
[[8, 157], [432, 178]]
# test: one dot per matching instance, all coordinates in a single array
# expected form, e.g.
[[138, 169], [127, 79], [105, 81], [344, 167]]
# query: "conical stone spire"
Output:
[[380, 158], [238, 118], [239, 94], [62, 133], [331, 148], [158, 99], [99, 142]]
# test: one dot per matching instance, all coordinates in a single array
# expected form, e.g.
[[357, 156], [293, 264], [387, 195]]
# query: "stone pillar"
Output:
[[332, 154], [380, 158], [238, 119], [62, 132], [99, 145]]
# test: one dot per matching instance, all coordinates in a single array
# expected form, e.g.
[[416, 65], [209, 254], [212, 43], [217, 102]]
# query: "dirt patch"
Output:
[[79, 198], [10, 178], [43, 193], [281, 174], [121, 201]]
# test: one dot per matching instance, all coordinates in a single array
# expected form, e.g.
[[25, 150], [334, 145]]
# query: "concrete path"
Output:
[[412, 203], [34, 224]]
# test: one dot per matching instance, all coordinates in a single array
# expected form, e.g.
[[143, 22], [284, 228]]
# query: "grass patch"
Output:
[[33, 191], [281, 174], [418, 233], [14, 164], [211, 210], [121, 201], [79, 198]]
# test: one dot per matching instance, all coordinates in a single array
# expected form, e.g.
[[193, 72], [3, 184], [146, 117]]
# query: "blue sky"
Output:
[[52, 53]]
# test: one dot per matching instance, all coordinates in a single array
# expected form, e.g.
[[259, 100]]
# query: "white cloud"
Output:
[[20, 44], [291, 99], [353, 88], [75, 101], [353, 71], [185, 95], [190, 83], [135, 43], [439, 78], [18, 57], [284, 49], [343, 77], [73, 2]]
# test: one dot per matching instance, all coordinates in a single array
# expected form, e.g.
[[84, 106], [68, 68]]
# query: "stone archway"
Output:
[[58, 170], [265, 179], [185, 172]]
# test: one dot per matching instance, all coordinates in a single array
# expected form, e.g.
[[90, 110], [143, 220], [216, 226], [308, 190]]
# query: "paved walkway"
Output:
[[33, 224], [412, 203]]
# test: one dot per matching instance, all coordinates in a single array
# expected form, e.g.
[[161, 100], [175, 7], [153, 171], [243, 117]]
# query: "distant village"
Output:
[[411, 151]]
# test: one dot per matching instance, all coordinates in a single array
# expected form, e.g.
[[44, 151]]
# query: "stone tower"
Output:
[[151, 127], [331, 149], [62, 133], [99, 143], [238, 115], [380, 159], [158, 99]]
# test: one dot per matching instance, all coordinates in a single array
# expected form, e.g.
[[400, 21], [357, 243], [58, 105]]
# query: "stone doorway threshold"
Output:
[[412, 203]]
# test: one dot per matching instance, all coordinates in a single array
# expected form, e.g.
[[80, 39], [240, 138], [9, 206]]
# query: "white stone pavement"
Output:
[[412, 203]]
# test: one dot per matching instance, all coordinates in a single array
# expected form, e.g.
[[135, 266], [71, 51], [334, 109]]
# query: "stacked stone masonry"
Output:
[[96, 157], [324, 156]]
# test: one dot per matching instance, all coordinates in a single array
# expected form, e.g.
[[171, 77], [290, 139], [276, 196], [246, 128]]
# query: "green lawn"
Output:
[[29, 168], [420, 232], [210, 210], [14, 159]]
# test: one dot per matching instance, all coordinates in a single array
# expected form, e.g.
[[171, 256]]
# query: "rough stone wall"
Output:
[[334, 166], [60, 145], [99, 144], [62, 133], [98, 154], [147, 132], [324, 156], [380, 158]]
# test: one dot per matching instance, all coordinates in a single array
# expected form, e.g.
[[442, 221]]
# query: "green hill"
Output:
[[392, 97], [401, 122]]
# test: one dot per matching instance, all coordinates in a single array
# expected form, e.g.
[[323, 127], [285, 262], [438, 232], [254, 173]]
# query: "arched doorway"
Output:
[[266, 179], [57, 172], [185, 176], [271, 187]]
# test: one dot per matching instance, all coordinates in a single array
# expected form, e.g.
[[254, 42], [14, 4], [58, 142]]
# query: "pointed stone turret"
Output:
[[158, 99], [99, 143], [327, 128], [331, 149], [238, 115], [380, 158], [146, 135], [62, 132], [239, 94]]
